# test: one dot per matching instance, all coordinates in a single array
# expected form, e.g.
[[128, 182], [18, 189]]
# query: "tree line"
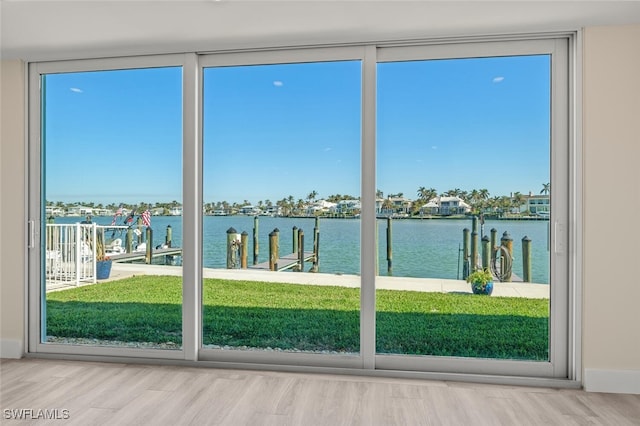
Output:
[[478, 199]]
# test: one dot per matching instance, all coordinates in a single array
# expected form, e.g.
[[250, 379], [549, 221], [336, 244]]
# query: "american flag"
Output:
[[115, 216], [146, 218]]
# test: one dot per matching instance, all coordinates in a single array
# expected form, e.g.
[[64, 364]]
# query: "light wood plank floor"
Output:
[[126, 394]]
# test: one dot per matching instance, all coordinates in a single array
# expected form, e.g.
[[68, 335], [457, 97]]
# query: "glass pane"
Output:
[[464, 178], [112, 168], [281, 189]]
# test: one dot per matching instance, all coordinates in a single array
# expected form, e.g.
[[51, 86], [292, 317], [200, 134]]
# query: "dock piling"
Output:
[[300, 247], [486, 252], [294, 235], [244, 237], [505, 270], [169, 236], [255, 240], [389, 248], [273, 249], [232, 248], [465, 253], [526, 259], [149, 253]]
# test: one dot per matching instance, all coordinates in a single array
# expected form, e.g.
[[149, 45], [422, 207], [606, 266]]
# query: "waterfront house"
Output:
[[445, 206], [250, 210], [80, 211], [346, 207], [54, 211], [175, 211], [536, 204], [319, 207]]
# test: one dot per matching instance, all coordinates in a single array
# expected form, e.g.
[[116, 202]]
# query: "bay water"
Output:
[[422, 248]]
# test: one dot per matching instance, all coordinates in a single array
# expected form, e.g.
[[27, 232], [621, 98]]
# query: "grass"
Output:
[[304, 317]]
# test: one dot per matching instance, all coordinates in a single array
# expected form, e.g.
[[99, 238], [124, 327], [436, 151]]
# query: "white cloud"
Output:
[[76, 90], [498, 79], [327, 149], [434, 147], [278, 83]]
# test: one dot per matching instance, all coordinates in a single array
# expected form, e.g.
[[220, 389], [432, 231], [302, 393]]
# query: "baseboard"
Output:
[[10, 348], [612, 381]]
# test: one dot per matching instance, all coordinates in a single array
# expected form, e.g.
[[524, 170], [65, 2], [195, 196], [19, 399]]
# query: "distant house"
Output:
[[54, 211], [319, 207], [175, 211], [446, 206], [250, 210], [346, 207], [273, 210], [80, 211], [536, 204]]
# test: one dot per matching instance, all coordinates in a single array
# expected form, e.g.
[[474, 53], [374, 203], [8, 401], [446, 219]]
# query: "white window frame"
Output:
[[563, 366]]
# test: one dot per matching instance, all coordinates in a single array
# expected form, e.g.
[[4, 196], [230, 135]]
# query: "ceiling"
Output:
[[46, 30]]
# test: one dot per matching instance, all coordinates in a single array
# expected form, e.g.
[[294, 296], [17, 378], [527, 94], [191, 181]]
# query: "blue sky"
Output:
[[277, 130]]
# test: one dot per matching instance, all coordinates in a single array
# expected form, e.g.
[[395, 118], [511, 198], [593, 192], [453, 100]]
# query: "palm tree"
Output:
[[517, 200], [312, 196], [426, 194], [387, 204], [546, 188], [453, 192], [379, 194]]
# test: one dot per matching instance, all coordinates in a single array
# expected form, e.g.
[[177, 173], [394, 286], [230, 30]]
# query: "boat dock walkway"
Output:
[[283, 263], [141, 255]]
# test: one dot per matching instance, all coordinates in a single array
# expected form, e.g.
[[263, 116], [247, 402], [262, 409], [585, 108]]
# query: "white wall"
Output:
[[611, 333], [12, 209], [611, 129]]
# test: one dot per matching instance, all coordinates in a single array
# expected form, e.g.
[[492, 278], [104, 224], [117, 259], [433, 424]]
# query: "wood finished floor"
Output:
[[125, 394]]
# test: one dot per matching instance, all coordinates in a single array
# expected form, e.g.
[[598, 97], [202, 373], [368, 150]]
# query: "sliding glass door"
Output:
[[281, 228], [464, 172], [332, 207], [111, 194]]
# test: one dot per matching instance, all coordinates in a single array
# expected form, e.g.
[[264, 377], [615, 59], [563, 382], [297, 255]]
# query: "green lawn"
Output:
[[304, 317]]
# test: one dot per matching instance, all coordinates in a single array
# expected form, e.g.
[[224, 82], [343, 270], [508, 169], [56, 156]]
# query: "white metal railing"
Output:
[[70, 256]]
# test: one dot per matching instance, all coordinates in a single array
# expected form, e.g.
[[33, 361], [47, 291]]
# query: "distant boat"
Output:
[[544, 215]]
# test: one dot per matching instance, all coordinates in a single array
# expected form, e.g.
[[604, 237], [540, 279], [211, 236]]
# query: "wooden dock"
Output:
[[286, 262], [141, 255]]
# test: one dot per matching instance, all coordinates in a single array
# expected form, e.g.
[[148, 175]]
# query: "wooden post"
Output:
[[169, 236], [465, 253], [474, 224], [273, 251], [244, 238], [128, 242], [300, 247], [389, 248], [149, 253], [505, 270], [494, 239], [140, 234], [316, 253], [474, 250], [231, 248], [526, 259], [486, 252], [295, 239], [255, 240], [316, 246]]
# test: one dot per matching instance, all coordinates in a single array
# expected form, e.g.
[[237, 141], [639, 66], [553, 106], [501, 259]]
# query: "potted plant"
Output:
[[481, 281], [103, 262]]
